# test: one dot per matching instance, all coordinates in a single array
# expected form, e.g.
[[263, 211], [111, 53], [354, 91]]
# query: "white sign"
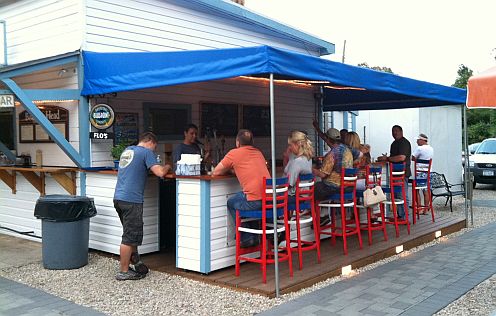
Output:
[[6, 100]]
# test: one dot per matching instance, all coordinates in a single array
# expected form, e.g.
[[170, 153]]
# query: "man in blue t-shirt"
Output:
[[134, 164]]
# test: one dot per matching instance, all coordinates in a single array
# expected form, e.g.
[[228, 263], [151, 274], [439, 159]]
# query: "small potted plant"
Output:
[[116, 152]]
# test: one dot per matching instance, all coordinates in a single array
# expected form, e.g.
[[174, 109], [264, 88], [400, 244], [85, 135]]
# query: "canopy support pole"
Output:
[[466, 170], [274, 176]]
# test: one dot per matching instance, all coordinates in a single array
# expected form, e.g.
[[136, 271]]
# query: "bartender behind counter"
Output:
[[190, 144]]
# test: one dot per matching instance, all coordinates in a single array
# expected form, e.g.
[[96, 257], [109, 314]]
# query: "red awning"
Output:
[[482, 90]]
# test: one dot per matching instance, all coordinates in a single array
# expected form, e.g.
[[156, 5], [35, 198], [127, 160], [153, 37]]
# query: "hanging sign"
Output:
[[31, 132], [6, 100], [101, 135], [102, 116]]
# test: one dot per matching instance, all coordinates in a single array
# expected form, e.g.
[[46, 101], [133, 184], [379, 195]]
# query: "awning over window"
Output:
[[115, 72]]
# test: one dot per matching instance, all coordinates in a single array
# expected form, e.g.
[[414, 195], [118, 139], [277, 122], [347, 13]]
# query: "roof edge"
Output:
[[326, 48]]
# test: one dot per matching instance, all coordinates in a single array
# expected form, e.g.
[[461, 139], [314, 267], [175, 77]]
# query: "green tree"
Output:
[[378, 68], [463, 74]]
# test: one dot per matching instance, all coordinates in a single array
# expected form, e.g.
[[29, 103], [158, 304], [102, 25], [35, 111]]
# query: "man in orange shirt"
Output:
[[249, 166]]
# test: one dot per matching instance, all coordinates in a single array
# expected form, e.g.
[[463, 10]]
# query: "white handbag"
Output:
[[373, 196]]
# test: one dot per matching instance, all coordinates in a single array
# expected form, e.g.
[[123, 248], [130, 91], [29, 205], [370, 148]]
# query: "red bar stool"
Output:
[[422, 181], [346, 199], [265, 214], [397, 196], [304, 201], [373, 178]]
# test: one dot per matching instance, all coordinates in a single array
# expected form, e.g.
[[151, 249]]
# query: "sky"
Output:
[[423, 39]]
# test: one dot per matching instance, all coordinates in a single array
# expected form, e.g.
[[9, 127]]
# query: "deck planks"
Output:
[[332, 259]]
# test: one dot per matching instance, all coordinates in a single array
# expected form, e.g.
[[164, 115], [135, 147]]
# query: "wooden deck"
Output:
[[332, 257]]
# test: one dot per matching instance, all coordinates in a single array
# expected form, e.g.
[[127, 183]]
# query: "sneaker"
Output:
[[129, 275], [138, 265]]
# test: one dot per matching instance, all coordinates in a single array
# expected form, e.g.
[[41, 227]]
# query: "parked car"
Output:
[[483, 162], [471, 150]]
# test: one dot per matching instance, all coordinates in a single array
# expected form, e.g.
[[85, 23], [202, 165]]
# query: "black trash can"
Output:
[[65, 226]]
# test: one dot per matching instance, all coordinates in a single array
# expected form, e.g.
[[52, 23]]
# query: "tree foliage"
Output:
[[378, 68], [463, 74]]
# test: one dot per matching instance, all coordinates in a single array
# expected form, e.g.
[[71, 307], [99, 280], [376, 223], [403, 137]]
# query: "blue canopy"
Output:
[[115, 72]]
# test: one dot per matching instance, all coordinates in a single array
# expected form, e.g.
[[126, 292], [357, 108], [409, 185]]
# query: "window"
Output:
[[167, 121], [257, 119], [7, 123], [218, 117]]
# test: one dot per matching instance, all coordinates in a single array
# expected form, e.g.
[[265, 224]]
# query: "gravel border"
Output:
[[165, 294]]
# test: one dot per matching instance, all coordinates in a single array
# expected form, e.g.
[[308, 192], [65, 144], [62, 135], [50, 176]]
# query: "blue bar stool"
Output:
[[343, 200], [422, 181], [266, 216], [373, 178], [397, 196], [304, 201]]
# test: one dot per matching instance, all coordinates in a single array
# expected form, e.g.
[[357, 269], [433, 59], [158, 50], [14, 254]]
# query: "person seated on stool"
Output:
[[299, 161], [343, 135], [248, 163], [424, 151], [338, 157]]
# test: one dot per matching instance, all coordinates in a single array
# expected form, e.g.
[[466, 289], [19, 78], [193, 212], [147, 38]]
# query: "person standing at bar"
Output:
[[249, 166], [134, 165], [400, 151], [424, 151], [190, 144]]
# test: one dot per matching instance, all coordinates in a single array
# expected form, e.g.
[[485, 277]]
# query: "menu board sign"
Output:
[[31, 132], [126, 128]]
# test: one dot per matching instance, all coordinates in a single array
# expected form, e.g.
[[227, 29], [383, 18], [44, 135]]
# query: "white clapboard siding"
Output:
[[154, 25], [105, 227], [188, 223], [222, 229], [42, 28], [17, 210]]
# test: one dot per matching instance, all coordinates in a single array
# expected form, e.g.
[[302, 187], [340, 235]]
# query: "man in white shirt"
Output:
[[424, 151]]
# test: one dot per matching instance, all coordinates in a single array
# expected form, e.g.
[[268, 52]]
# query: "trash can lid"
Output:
[[64, 208]]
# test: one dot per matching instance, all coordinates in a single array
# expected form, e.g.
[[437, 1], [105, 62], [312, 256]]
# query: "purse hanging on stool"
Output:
[[373, 196]]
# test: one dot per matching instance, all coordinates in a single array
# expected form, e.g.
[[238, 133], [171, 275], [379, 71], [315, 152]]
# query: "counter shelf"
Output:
[[66, 177]]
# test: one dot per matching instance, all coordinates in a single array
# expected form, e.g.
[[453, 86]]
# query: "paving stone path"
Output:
[[420, 283]]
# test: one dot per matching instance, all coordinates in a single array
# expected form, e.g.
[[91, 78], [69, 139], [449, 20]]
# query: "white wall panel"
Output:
[[153, 25], [42, 28]]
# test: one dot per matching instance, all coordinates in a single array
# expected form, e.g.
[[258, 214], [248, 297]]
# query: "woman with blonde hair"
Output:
[[353, 140], [300, 159]]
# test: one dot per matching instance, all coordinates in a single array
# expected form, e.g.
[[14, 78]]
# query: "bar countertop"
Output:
[[167, 176]]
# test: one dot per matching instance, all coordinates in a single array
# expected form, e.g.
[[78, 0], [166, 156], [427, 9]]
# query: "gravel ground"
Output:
[[164, 294]]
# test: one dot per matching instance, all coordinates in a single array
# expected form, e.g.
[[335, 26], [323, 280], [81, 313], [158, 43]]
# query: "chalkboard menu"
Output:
[[31, 132], [220, 117], [257, 119], [126, 128]]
